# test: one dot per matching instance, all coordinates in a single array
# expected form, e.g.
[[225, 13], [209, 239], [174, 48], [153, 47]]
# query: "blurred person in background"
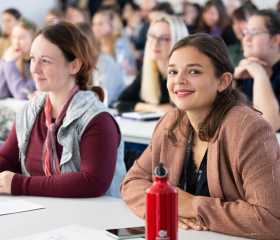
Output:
[[15, 77], [239, 20], [77, 15], [111, 5], [132, 21], [131, 16], [146, 6], [148, 92], [191, 15], [278, 7], [215, 21], [130, 8], [232, 5], [107, 29], [53, 16], [9, 20], [107, 75], [159, 10], [258, 74]]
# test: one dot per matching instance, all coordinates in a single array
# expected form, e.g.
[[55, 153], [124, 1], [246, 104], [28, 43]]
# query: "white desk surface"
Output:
[[136, 131], [96, 213]]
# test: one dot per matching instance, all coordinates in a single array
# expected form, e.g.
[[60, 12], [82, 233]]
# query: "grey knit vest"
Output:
[[82, 109]]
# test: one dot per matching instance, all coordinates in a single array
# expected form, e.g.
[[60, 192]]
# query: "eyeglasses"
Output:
[[160, 40], [254, 32]]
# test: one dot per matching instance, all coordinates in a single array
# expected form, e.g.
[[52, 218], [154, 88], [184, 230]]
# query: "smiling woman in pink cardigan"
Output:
[[230, 181]]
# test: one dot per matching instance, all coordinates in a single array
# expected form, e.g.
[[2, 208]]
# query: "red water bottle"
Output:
[[161, 208]]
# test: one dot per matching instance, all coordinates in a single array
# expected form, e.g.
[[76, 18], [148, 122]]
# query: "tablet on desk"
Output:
[[143, 116]]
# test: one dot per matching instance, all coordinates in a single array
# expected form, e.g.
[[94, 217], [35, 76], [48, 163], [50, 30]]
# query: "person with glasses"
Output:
[[239, 20], [148, 92], [258, 74]]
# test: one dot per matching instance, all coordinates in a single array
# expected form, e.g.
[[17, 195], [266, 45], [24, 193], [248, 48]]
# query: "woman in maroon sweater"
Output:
[[64, 143]]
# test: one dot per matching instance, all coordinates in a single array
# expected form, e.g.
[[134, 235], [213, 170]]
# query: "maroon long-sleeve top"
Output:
[[98, 150]]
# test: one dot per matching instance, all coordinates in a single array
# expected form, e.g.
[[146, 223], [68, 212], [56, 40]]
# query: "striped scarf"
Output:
[[49, 158]]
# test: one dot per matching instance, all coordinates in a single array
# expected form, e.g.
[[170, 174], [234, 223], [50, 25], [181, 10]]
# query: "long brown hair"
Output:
[[74, 44], [223, 21], [16, 15], [214, 48]]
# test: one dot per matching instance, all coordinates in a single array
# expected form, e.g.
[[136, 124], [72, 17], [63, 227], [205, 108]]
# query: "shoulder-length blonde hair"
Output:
[[150, 85]]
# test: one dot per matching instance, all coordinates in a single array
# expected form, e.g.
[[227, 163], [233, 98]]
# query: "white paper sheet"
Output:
[[72, 232], [17, 206]]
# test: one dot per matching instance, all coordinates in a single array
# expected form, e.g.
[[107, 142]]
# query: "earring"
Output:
[[219, 91]]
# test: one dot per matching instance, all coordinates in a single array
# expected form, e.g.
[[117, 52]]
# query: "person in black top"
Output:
[[258, 74], [191, 15], [148, 92], [239, 21]]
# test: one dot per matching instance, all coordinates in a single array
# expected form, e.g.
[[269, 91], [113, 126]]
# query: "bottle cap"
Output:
[[161, 171]]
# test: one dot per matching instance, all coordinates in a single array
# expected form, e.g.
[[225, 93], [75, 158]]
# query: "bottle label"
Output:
[[162, 235]]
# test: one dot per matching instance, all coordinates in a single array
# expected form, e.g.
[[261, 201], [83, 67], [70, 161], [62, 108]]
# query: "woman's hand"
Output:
[[250, 67], [186, 217], [6, 178], [10, 54], [185, 208], [186, 223]]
